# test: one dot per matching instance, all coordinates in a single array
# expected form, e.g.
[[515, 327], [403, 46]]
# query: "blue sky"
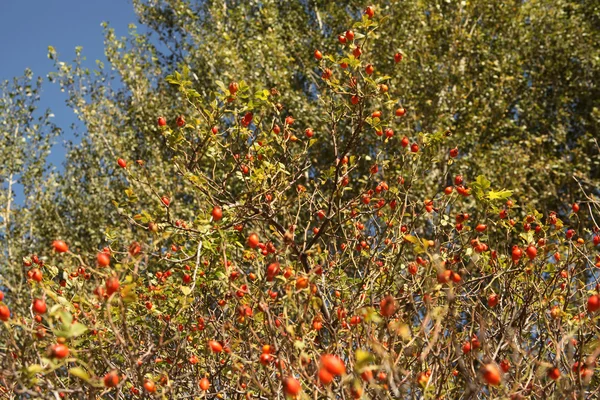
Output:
[[28, 27]]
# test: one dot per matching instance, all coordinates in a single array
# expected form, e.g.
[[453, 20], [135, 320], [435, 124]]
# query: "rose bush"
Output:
[[385, 274]]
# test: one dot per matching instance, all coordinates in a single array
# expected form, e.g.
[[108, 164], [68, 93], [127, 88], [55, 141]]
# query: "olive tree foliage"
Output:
[[25, 142], [513, 83]]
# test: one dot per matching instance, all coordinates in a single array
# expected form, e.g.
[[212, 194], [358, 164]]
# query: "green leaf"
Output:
[[77, 329], [220, 275], [352, 61], [262, 95], [222, 86], [383, 78], [193, 93], [480, 185], [527, 236], [172, 80], [65, 317], [482, 182]]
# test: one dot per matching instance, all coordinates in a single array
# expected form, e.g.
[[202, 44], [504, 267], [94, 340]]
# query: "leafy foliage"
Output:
[[270, 208]]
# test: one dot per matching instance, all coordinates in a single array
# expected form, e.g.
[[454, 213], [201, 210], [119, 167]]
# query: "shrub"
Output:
[[271, 273]]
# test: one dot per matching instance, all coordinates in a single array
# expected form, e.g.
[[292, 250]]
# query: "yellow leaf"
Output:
[[363, 357], [410, 238], [80, 373]]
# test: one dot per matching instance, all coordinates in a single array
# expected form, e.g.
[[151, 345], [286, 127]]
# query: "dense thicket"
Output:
[[363, 209]]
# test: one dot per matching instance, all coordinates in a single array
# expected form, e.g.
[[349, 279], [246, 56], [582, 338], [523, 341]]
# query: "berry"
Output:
[[531, 252], [60, 246], [217, 213], [325, 376], [466, 348], [112, 285], [493, 300], [253, 240], [39, 306], [516, 253], [247, 119], [491, 374], [593, 303], [272, 270], [4, 313], [570, 233], [59, 351], [103, 259], [215, 346], [204, 384], [233, 88], [265, 358], [122, 163], [36, 275], [387, 306], [554, 373], [149, 386], [333, 364], [111, 379], [444, 276], [291, 386]]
